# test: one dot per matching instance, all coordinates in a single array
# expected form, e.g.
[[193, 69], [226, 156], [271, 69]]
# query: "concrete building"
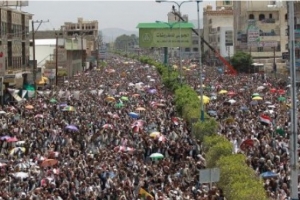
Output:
[[218, 27], [69, 56], [85, 29], [260, 28], [14, 56], [172, 17], [297, 31]]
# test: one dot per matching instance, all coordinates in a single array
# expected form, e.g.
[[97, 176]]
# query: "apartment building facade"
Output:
[[85, 29], [260, 28], [14, 37], [218, 27]]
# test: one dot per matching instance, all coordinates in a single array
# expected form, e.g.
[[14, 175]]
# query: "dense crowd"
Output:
[[114, 133]]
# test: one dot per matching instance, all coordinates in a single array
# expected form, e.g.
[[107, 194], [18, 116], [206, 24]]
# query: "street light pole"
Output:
[[180, 56], [200, 64], [294, 119]]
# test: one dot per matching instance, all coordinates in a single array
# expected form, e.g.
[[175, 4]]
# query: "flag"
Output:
[[145, 194], [264, 119]]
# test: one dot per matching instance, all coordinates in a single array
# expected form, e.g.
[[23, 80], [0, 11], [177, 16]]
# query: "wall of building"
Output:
[[225, 51], [42, 53]]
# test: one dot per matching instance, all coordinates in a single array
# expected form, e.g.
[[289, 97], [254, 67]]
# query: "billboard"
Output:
[[264, 44], [253, 35], [165, 37]]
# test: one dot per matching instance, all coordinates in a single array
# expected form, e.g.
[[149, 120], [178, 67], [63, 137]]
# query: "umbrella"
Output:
[[231, 101], [107, 126], [255, 94], [140, 109], [244, 108], [5, 137], [206, 99], [152, 91], [125, 98], [53, 100], [273, 90], [231, 93], [212, 113], [138, 123], [49, 162], [17, 149], [110, 99], [2, 112], [69, 108], [119, 105], [246, 144], [175, 120], [260, 87], [133, 115], [39, 116], [281, 91], [155, 134], [63, 105], [223, 92], [20, 175], [280, 131], [115, 116], [20, 142], [257, 98], [281, 99], [268, 174], [29, 107], [156, 155], [12, 139], [72, 128]]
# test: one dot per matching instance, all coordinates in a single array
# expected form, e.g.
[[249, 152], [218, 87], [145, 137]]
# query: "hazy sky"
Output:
[[110, 14]]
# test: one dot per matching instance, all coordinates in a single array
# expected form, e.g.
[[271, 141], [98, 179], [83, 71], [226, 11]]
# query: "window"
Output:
[[270, 16], [226, 3], [187, 50], [286, 17], [195, 49], [261, 17], [251, 16]]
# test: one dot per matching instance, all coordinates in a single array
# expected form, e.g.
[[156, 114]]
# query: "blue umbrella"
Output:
[[212, 112], [133, 115], [5, 137], [72, 127], [63, 105], [244, 108], [268, 174], [152, 91]]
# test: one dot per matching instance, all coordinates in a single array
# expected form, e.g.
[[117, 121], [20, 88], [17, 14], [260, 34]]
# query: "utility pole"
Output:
[[34, 70], [56, 59], [294, 166]]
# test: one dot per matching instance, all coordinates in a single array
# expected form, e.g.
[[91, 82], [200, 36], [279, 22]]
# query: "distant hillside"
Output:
[[110, 34]]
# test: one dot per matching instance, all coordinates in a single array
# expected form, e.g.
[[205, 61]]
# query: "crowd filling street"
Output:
[[113, 133]]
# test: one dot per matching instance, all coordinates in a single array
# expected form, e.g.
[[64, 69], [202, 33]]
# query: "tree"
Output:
[[125, 42], [221, 149], [241, 61], [207, 128]]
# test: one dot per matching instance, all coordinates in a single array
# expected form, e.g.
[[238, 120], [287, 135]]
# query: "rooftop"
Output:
[[165, 25]]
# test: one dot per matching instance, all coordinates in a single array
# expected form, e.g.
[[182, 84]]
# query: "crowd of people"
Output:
[[113, 133]]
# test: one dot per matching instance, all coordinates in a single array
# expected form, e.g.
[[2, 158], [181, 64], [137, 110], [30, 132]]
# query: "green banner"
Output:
[[165, 37]]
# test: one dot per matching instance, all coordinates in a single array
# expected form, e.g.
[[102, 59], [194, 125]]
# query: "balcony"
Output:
[[266, 54]]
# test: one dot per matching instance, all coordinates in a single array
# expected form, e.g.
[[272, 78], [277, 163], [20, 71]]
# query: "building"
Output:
[[218, 28], [173, 16], [69, 56], [260, 28], [85, 29], [297, 31], [14, 59]]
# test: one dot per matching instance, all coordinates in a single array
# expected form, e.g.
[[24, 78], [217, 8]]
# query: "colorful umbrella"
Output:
[[125, 98], [16, 150], [72, 128], [257, 98], [255, 94], [140, 109], [69, 108], [246, 144], [29, 107], [53, 100], [39, 116], [107, 126], [110, 99], [156, 155], [281, 99], [12, 139], [223, 92], [155, 134], [268, 174], [49, 162], [119, 105], [133, 115]]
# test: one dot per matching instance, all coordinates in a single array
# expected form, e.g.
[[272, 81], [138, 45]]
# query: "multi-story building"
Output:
[[14, 39], [260, 28], [297, 31], [173, 16], [85, 29], [218, 28]]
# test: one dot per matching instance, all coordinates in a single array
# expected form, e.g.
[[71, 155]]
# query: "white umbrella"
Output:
[[268, 102], [2, 112], [231, 101], [260, 88], [271, 106], [20, 175]]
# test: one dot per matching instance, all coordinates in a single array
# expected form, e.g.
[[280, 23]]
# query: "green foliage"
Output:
[[241, 61], [207, 128], [218, 151], [125, 42], [237, 180]]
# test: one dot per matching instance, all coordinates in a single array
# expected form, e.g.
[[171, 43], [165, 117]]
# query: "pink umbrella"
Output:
[[39, 116], [107, 126], [138, 123], [153, 104], [162, 138], [13, 139], [115, 116]]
